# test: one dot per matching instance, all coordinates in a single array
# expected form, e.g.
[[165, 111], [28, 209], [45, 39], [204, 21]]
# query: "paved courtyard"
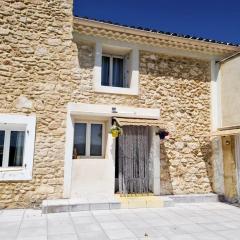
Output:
[[215, 221]]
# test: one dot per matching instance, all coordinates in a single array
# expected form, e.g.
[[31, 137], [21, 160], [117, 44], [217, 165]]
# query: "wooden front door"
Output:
[[229, 166], [133, 160]]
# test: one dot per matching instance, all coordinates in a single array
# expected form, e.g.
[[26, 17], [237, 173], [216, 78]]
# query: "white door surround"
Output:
[[237, 159], [107, 164]]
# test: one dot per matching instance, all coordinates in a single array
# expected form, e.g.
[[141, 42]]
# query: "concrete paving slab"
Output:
[[32, 232], [32, 238], [63, 237], [199, 221]]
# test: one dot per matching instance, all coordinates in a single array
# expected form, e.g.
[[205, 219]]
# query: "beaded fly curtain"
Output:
[[133, 158]]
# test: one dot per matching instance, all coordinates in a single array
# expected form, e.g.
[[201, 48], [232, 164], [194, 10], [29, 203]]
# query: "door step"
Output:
[[130, 201], [195, 198], [77, 205], [140, 201]]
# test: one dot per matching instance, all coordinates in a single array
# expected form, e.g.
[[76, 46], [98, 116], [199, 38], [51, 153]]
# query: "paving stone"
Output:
[[89, 227], [208, 236], [60, 228], [34, 223], [182, 237], [83, 220], [6, 219], [8, 233], [32, 238], [106, 218], [230, 234], [127, 224], [13, 212], [192, 228], [63, 237], [32, 232], [99, 235], [214, 226], [112, 225], [119, 233], [154, 238]]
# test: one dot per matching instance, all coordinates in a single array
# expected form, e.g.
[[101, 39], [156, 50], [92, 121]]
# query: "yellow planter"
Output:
[[115, 133]]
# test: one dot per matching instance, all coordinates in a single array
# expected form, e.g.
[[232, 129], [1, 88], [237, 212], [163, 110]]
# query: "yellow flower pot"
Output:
[[115, 133]]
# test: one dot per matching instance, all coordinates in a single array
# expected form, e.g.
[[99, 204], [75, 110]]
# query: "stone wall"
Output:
[[180, 87], [35, 71], [40, 73]]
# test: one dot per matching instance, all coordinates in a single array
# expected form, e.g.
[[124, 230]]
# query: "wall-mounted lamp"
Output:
[[114, 110]]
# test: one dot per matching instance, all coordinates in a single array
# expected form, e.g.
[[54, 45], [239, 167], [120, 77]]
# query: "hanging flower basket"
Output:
[[163, 135], [116, 131]]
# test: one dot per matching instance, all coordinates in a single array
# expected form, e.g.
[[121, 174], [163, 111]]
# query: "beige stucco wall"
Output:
[[40, 74], [230, 89]]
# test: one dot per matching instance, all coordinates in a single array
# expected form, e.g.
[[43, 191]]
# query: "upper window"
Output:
[[17, 135], [88, 140], [113, 71], [116, 69]]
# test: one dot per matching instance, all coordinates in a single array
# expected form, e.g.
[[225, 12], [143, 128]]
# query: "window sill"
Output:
[[116, 90], [89, 159], [15, 174], [10, 169]]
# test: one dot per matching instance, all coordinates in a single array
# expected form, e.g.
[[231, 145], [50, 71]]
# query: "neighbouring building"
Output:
[[227, 137], [65, 81]]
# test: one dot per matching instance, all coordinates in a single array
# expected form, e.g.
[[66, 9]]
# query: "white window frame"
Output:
[[12, 122], [88, 138], [7, 128], [133, 73], [111, 68]]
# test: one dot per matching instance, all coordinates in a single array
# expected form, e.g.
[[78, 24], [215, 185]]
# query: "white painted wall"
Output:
[[154, 156], [95, 177], [216, 122], [92, 178], [230, 91]]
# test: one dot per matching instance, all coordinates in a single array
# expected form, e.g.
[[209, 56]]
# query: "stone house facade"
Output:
[[50, 77]]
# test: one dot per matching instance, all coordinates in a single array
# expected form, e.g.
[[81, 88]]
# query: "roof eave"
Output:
[[92, 27]]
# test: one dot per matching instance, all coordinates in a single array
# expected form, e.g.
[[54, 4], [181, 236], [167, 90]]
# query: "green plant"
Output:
[[116, 131]]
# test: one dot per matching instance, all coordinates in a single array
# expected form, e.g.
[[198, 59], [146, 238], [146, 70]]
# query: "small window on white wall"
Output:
[[17, 136], [88, 140]]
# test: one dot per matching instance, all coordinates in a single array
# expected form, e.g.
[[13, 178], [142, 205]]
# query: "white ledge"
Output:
[[116, 90]]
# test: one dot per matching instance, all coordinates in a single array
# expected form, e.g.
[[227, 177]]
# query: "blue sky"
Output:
[[219, 20]]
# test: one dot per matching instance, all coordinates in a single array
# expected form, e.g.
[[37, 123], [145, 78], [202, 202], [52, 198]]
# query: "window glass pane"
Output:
[[105, 71], [117, 72], [96, 140], [79, 147], [2, 135], [16, 148]]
